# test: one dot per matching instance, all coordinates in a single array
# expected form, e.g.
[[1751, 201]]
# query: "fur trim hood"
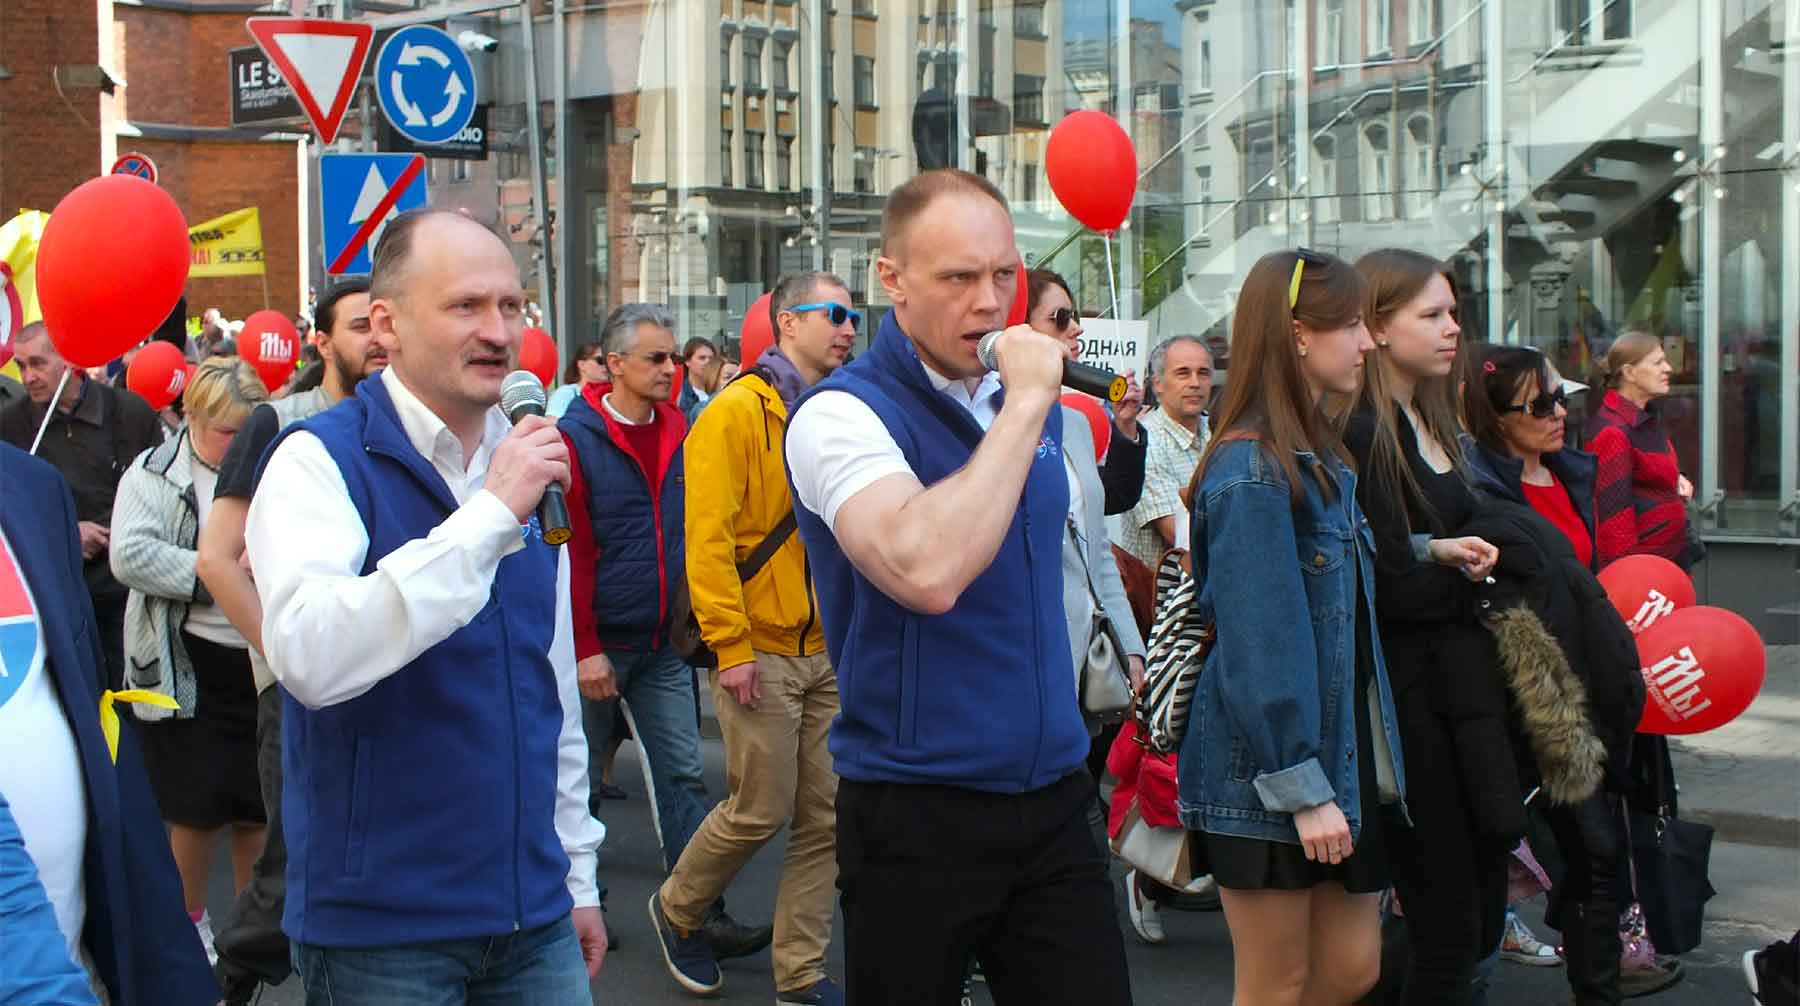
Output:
[[1552, 703]]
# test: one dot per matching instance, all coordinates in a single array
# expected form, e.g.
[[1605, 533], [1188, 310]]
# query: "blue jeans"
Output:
[[537, 967], [658, 693]]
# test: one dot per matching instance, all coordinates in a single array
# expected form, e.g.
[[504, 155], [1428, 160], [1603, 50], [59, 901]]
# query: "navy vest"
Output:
[[425, 808], [983, 696]]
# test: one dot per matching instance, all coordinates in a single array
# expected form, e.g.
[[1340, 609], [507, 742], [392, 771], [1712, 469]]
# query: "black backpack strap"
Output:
[[766, 550]]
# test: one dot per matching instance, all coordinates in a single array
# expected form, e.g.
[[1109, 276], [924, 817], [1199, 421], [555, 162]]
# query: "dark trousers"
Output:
[[109, 614], [934, 875], [1585, 904], [252, 944]]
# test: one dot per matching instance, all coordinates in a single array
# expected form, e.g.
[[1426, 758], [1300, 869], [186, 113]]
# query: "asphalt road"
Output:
[[1759, 900]]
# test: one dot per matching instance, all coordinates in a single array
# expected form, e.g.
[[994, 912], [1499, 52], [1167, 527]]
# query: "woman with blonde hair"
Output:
[[202, 756], [1641, 495]]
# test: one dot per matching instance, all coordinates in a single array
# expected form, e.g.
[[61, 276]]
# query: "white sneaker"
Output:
[[1144, 917], [1521, 946], [204, 928]]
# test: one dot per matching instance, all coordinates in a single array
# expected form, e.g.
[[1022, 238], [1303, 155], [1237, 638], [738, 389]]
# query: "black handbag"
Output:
[[1669, 860], [684, 627]]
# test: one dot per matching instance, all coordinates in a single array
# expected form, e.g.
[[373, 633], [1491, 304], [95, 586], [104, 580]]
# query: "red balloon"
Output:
[[158, 373], [1098, 421], [1021, 299], [270, 343], [756, 334], [537, 353], [1093, 169], [1645, 588], [1702, 667], [110, 268]]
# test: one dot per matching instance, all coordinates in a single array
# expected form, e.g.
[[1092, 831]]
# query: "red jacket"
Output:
[[1637, 508]]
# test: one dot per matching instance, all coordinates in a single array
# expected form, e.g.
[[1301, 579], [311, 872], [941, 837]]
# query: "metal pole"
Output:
[[1302, 121], [1495, 163], [1712, 370], [1790, 271], [968, 37], [540, 195], [817, 111], [1125, 113], [566, 230]]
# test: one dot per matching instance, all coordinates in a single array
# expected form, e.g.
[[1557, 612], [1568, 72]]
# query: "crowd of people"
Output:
[[351, 650]]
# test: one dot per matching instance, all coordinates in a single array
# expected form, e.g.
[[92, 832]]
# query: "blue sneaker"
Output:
[[823, 992], [690, 960]]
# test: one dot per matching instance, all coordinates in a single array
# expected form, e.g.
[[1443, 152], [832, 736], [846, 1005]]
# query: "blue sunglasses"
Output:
[[834, 312]]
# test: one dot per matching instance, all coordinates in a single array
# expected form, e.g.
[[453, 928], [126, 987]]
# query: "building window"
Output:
[[725, 157], [865, 80], [1381, 25], [753, 48], [1325, 180], [865, 169], [725, 58], [1028, 20], [459, 171], [1590, 22], [779, 70], [1206, 64], [1378, 174], [1418, 21], [863, 7], [753, 159], [1028, 183], [1421, 167], [784, 163], [1328, 38], [829, 65], [1028, 97]]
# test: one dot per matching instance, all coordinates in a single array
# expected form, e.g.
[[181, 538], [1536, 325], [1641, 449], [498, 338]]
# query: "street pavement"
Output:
[[1748, 768]]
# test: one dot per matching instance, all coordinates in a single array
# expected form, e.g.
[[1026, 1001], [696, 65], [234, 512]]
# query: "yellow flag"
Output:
[[230, 245], [19, 239]]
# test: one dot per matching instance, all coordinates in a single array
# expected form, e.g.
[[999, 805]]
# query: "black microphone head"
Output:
[[522, 391], [984, 350]]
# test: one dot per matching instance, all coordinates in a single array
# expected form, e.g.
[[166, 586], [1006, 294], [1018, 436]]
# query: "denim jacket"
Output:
[[1272, 731]]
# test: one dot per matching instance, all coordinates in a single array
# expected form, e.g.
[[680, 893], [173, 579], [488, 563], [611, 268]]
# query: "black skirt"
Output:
[[203, 770]]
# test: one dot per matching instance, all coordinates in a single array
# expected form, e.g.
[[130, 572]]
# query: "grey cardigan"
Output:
[[1078, 448], [155, 528]]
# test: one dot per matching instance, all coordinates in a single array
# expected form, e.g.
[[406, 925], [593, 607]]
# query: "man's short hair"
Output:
[[35, 330], [1161, 353], [797, 288], [326, 311], [620, 330], [911, 198], [393, 253]]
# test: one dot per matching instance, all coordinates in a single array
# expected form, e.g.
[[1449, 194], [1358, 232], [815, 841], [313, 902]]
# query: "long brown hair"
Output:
[[1396, 276], [1496, 375], [1267, 398]]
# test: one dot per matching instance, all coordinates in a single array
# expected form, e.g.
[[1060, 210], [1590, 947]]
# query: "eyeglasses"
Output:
[[655, 359], [1543, 406], [835, 313], [1302, 257], [1062, 318]]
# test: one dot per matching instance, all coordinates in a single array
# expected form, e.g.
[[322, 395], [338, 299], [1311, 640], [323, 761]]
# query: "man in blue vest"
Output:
[[932, 506], [440, 848]]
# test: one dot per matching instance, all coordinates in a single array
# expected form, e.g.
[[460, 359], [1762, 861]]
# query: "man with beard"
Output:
[[251, 947]]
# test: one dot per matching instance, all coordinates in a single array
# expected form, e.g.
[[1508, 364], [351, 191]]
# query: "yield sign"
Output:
[[320, 59], [358, 195]]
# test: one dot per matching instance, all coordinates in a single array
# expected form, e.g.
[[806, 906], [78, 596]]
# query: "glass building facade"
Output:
[[1587, 166]]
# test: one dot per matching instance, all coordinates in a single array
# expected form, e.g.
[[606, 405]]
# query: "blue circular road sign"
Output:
[[426, 84]]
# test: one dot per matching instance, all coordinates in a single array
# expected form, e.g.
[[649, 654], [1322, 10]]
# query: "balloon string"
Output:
[[1111, 283], [55, 400]]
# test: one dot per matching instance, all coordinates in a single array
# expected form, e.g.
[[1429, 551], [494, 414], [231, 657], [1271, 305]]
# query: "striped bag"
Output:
[[1179, 643]]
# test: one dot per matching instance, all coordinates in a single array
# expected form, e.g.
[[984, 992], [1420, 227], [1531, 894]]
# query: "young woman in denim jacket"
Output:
[[1291, 753]]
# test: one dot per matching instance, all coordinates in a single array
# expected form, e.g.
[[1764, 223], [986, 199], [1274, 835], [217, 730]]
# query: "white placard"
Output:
[[1117, 346]]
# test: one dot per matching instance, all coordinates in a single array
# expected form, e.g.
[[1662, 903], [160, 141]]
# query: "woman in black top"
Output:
[[1463, 792]]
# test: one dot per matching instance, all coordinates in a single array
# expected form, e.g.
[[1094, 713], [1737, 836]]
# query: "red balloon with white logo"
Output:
[[1702, 666], [1646, 588], [270, 343], [537, 353], [158, 373]]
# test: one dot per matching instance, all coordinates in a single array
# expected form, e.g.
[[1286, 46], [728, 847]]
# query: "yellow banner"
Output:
[[19, 239], [230, 245]]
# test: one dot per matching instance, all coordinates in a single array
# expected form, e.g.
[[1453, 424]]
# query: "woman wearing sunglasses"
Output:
[[1290, 771], [1050, 309], [1642, 494], [1515, 455]]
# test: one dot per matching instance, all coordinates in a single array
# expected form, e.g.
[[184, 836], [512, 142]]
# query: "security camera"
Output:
[[474, 41]]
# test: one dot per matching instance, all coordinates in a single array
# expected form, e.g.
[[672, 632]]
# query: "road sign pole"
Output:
[[540, 193]]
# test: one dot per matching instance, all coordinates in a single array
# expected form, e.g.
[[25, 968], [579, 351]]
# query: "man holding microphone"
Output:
[[932, 508], [440, 847]]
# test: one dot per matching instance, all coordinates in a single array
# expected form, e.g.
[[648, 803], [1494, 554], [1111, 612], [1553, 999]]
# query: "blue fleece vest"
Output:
[[425, 808], [637, 536], [983, 696]]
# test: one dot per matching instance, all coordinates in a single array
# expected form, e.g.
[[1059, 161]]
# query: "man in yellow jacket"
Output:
[[775, 691]]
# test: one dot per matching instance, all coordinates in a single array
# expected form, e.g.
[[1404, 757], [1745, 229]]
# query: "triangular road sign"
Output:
[[320, 58]]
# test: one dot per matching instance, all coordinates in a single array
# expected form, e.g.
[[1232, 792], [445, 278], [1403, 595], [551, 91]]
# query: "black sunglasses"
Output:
[[1543, 406], [1062, 318], [655, 359]]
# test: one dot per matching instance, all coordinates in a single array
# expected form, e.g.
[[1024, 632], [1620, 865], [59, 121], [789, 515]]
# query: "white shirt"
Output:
[[40, 766], [307, 544], [837, 446]]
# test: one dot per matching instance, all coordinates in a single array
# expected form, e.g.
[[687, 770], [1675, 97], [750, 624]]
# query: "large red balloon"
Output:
[[1098, 421], [537, 353], [756, 334], [1702, 667], [1645, 588], [110, 268], [1021, 299], [1093, 169], [158, 373], [270, 343]]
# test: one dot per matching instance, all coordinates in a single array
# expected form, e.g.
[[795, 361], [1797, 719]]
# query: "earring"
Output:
[[1302, 350], [1381, 344]]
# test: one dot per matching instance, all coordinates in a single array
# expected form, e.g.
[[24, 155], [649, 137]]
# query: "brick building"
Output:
[[81, 83]]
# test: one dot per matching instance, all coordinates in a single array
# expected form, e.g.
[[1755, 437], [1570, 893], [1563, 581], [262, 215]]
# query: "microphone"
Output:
[[1080, 377], [521, 395]]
